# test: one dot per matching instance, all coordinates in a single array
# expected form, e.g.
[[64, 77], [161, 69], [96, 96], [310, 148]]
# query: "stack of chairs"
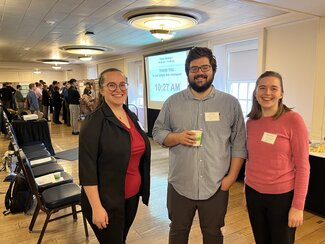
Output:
[[53, 199], [41, 170]]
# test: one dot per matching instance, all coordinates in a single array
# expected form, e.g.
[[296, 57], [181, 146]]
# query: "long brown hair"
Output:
[[256, 111]]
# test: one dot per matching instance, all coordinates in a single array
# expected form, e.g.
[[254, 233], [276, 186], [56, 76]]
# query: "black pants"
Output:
[[268, 214], [181, 211], [119, 224], [56, 115]]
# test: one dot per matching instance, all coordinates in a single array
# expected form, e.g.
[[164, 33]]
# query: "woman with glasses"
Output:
[[277, 169], [114, 162]]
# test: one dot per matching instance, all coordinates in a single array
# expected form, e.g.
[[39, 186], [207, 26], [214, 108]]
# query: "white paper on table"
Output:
[[317, 154], [47, 179], [40, 161]]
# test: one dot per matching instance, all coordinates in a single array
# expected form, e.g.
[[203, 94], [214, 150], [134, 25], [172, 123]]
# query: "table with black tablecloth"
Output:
[[33, 131], [315, 200]]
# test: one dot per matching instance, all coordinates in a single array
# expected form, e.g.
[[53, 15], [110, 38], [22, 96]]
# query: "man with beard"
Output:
[[200, 176]]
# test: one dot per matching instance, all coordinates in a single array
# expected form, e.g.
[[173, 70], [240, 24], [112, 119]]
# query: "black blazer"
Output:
[[104, 154]]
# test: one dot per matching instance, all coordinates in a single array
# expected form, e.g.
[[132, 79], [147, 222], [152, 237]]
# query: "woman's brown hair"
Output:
[[256, 111]]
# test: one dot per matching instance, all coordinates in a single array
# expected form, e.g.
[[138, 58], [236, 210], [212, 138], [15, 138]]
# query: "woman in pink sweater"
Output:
[[277, 169]]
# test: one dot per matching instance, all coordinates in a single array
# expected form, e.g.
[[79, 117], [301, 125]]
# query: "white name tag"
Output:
[[212, 116], [269, 138]]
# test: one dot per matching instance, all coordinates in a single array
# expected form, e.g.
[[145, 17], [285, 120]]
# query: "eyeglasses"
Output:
[[113, 86], [203, 68]]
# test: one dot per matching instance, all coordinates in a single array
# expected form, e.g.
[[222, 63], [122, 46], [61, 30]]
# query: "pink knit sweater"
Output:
[[279, 167]]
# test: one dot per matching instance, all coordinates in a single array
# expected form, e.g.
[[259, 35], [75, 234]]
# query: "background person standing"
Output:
[[74, 106], [32, 99], [19, 99]]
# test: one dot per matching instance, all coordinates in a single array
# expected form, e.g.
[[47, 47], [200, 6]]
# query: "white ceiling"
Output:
[[25, 35]]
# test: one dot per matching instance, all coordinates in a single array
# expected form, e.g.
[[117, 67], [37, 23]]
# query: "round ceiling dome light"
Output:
[[53, 61], [167, 21], [84, 49]]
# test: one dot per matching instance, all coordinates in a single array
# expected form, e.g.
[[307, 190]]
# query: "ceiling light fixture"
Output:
[[162, 34], [84, 49], [161, 21], [56, 67], [86, 58], [169, 21], [37, 71], [50, 22], [53, 61]]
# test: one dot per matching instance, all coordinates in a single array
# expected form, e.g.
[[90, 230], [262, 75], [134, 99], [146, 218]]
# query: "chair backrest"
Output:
[[11, 132], [27, 170], [5, 117]]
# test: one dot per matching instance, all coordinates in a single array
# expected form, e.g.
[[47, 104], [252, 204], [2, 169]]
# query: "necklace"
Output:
[[120, 116]]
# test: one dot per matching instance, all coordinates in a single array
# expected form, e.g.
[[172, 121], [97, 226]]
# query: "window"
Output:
[[237, 71], [136, 91]]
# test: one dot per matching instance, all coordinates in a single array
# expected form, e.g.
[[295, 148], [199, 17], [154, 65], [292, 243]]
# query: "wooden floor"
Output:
[[151, 223]]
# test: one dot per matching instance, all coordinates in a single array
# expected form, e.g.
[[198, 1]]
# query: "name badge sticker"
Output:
[[212, 116], [269, 138]]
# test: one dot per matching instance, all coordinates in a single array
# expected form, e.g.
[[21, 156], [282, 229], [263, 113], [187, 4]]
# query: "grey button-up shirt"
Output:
[[196, 172]]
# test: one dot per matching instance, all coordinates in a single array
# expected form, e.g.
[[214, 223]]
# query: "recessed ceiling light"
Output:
[[50, 22], [84, 49]]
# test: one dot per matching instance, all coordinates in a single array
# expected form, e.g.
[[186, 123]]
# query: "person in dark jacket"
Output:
[[114, 162], [45, 101], [7, 95], [57, 104], [19, 99]]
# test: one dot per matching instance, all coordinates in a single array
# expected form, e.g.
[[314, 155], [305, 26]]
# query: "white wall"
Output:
[[118, 64], [77, 72], [318, 122], [29, 76], [23, 73], [291, 50]]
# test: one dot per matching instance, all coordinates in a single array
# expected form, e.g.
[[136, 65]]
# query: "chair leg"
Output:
[[48, 215], [85, 225], [32, 222], [74, 211]]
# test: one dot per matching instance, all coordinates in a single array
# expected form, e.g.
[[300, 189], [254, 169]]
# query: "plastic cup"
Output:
[[198, 138], [57, 176]]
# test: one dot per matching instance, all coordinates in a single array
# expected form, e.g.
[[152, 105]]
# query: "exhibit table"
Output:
[[315, 200], [33, 131]]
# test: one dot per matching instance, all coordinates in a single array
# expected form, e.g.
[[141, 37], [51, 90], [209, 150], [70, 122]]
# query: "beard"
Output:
[[200, 88]]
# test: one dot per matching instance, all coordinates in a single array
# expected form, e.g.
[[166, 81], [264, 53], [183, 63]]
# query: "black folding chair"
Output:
[[49, 164], [53, 199]]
